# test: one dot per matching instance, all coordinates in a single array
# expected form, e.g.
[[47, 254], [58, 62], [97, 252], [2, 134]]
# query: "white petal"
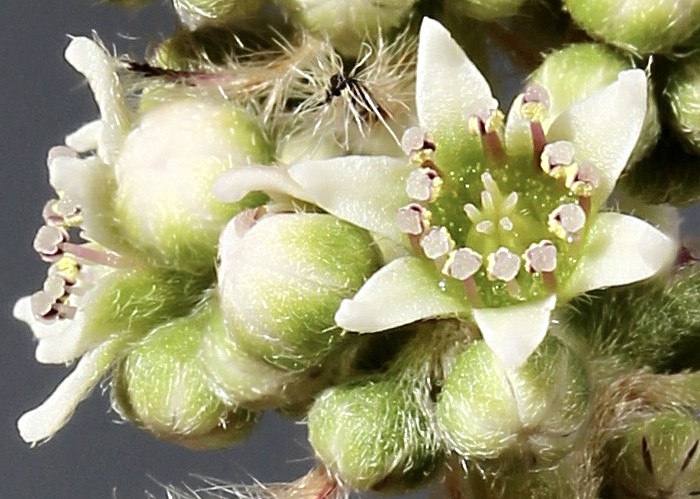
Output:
[[605, 127], [90, 184], [367, 191], [85, 138], [404, 291], [513, 333], [42, 423], [233, 185], [59, 342], [449, 87], [100, 70], [620, 249]]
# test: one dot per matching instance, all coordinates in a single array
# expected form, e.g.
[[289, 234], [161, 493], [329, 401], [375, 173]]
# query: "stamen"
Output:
[[48, 241], [586, 180], [567, 221], [488, 124], [67, 269], [541, 257], [414, 140], [560, 153], [423, 184], [43, 303], [413, 219], [62, 212], [534, 106], [462, 263], [436, 243], [503, 265]]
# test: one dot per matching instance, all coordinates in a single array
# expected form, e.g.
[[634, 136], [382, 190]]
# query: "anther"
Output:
[[413, 219], [567, 221], [423, 184], [416, 139], [586, 180], [48, 242], [436, 243], [503, 265], [557, 160], [541, 258], [462, 264]]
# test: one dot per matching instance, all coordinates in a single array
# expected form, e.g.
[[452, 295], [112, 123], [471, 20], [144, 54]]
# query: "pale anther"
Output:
[[586, 180], [567, 221], [462, 263], [503, 265], [541, 257], [67, 269], [48, 240], [423, 184], [414, 139], [534, 103], [436, 243], [412, 219]]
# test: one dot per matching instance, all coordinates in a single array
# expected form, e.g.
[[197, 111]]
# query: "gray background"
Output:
[[42, 99]]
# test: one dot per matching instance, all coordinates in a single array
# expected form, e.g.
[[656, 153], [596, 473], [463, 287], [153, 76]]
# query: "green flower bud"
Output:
[[375, 435], [347, 23], [578, 71], [239, 379], [281, 280], [683, 91], [487, 10], [646, 26], [545, 483], [194, 13], [192, 50], [161, 385], [182, 147], [537, 410], [658, 457]]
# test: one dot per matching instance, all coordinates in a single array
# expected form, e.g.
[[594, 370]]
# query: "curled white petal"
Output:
[[620, 249], [404, 291], [233, 185], [86, 138], [514, 332], [100, 70], [605, 126], [42, 423], [449, 87], [367, 191]]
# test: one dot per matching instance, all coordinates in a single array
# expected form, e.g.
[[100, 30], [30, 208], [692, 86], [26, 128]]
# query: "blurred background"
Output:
[[41, 100]]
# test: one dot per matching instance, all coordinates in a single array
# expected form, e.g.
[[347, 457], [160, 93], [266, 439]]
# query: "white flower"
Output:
[[523, 203]]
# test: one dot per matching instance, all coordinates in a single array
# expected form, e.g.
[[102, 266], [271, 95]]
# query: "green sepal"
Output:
[[161, 385]]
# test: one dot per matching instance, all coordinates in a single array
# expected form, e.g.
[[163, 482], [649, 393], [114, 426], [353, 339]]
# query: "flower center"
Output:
[[508, 228]]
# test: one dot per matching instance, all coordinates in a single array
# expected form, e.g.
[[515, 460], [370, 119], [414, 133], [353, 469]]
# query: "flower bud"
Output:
[[161, 385], [190, 50], [182, 147], [647, 26], [658, 457], [347, 23], [282, 280], [683, 91], [239, 379], [537, 410], [374, 435], [545, 483], [580, 70], [194, 13], [487, 10]]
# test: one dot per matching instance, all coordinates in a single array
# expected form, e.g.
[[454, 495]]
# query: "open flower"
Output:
[[502, 220]]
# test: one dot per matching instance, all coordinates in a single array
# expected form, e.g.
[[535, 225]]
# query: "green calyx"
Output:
[[161, 385], [657, 456], [195, 13], [298, 268], [683, 93], [486, 411], [641, 27], [487, 10], [375, 435]]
